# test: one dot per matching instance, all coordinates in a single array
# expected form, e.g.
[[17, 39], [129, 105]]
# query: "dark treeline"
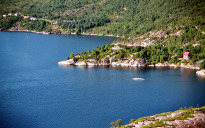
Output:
[[6, 23], [82, 24], [37, 25]]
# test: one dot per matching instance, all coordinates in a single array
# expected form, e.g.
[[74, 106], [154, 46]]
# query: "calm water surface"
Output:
[[35, 92]]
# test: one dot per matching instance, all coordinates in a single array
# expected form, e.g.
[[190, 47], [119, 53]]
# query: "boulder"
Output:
[[105, 62], [92, 62], [201, 73], [115, 64], [140, 62], [82, 63], [112, 58], [67, 62], [125, 63]]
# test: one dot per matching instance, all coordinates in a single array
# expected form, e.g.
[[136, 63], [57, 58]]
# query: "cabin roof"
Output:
[[186, 53]]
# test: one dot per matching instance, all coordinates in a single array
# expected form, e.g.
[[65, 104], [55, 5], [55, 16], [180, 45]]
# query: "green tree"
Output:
[[116, 123], [202, 65], [71, 55]]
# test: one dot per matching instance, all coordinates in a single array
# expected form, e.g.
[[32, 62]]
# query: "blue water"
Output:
[[35, 92]]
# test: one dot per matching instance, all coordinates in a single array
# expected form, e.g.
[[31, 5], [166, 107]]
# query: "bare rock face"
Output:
[[65, 33], [131, 63], [201, 73], [162, 64], [105, 62], [159, 33], [67, 62], [173, 115], [92, 62], [82, 63], [140, 62], [178, 33], [125, 63], [112, 58], [197, 121], [188, 66], [116, 64]]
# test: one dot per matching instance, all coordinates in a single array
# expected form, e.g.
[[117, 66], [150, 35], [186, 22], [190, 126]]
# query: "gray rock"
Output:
[[92, 62], [67, 62], [82, 63], [105, 62], [112, 58]]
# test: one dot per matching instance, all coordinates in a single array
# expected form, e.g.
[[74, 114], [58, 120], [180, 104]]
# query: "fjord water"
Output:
[[35, 92]]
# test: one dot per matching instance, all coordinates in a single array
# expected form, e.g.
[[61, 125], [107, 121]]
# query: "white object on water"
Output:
[[138, 79]]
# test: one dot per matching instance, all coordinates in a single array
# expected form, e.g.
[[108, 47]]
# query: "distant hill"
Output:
[[114, 17]]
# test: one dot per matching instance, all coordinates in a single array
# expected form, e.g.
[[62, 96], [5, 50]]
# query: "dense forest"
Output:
[[116, 17]]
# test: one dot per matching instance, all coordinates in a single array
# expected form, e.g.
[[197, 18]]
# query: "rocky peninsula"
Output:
[[153, 49], [127, 63]]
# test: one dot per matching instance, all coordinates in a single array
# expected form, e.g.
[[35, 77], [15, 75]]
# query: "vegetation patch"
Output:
[[163, 114]]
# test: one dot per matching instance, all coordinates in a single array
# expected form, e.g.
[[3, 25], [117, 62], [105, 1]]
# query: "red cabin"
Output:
[[186, 55]]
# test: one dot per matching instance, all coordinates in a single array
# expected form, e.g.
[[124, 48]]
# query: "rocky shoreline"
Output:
[[132, 63], [17, 29], [183, 118], [201, 73], [91, 34]]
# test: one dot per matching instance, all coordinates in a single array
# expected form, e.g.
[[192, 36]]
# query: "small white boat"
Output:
[[138, 79]]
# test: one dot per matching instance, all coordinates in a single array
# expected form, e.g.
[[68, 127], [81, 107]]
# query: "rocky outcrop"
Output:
[[82, 63], [92, 34], [188, 66], [112, 58], [129, 62], [198, 121], [162, 64], [92, 62], [65, 33], [188, 118], [67, 62], [106, 62], [201, 73], [160, 33]]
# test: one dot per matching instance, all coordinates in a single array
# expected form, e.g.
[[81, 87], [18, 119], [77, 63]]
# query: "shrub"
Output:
[[71, 55], [202, 65], [116, 123]]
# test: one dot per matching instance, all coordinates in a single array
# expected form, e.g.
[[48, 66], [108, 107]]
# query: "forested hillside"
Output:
[[114, 17]]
